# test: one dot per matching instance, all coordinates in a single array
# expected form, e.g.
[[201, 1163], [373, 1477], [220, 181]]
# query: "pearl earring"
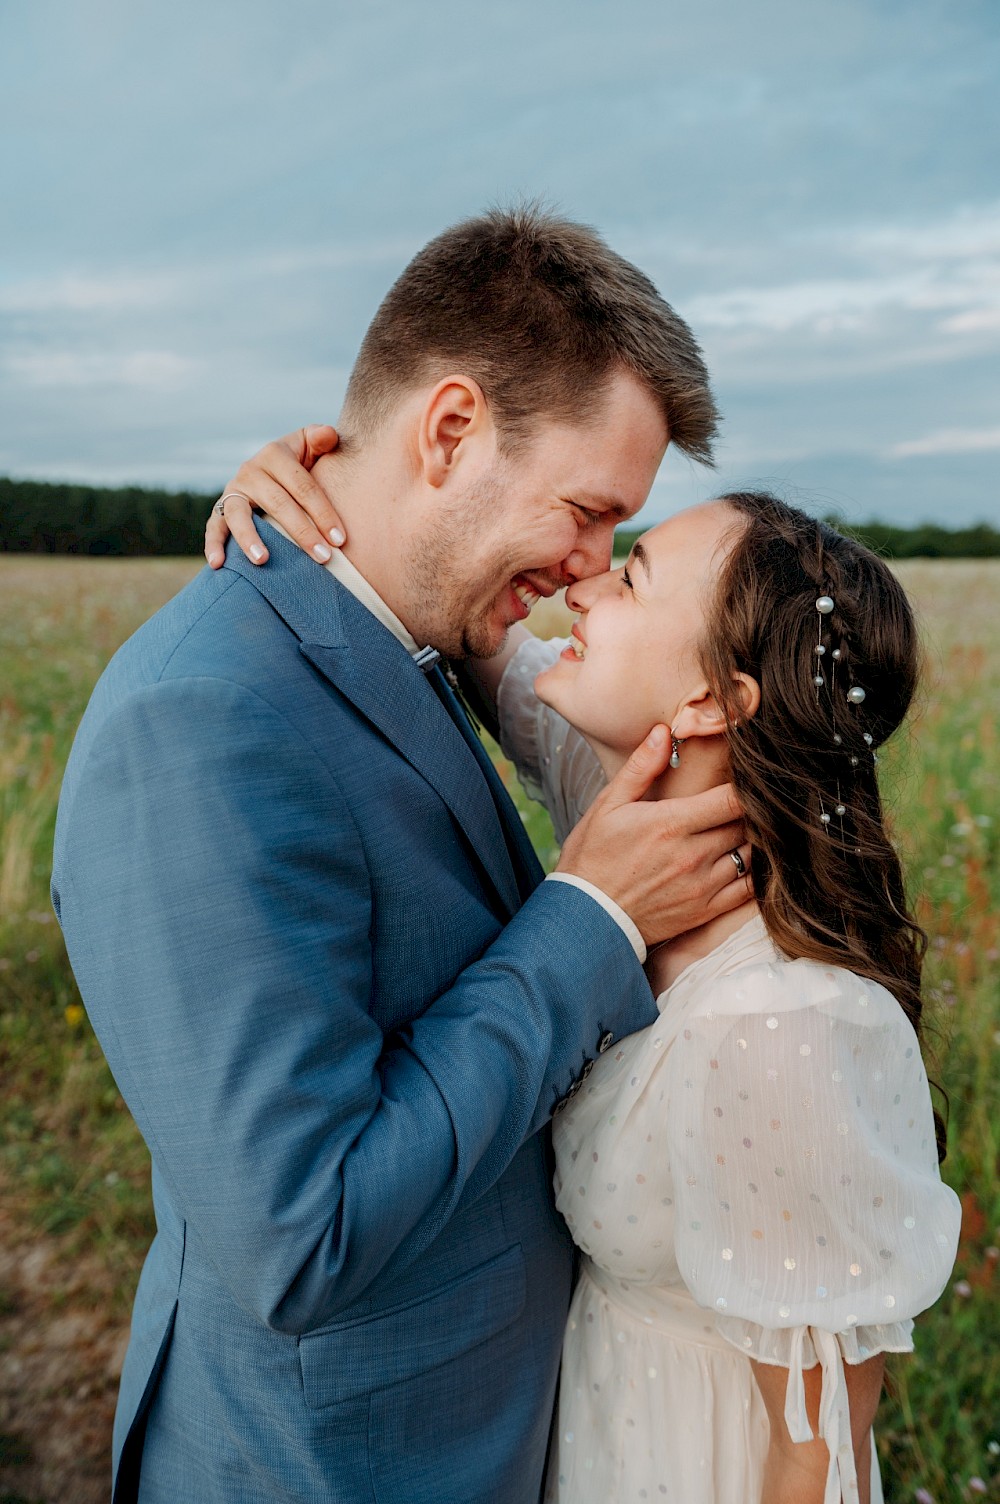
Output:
[[675, 752]]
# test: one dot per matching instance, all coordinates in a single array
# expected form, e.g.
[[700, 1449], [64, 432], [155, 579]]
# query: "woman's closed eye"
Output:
[[626, 578]]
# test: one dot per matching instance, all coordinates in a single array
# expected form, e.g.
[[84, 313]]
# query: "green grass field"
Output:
[[74, 1175]]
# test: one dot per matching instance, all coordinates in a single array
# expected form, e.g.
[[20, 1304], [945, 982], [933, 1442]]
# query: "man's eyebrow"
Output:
[[640, 556]]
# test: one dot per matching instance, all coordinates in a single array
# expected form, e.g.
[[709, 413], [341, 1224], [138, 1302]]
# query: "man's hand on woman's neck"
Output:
[[703, 765]]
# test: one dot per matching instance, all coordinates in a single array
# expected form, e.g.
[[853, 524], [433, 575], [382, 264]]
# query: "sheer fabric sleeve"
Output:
[[811, 1217], [553, 761]]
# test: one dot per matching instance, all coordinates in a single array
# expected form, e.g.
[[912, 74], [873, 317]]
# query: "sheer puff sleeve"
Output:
[[811, 1217], [553, 761]]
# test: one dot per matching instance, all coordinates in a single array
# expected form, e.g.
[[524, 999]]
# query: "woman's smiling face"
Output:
[[634, 656]]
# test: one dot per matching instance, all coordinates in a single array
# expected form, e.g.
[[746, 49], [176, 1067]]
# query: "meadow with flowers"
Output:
[[75, 1216]]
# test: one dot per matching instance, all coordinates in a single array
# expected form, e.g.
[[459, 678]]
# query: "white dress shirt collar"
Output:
[[353, 580]]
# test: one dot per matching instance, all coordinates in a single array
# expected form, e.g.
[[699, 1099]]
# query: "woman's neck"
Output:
[[702, 765]]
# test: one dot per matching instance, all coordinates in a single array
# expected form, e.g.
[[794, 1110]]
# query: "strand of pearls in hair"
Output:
[[825, 606]]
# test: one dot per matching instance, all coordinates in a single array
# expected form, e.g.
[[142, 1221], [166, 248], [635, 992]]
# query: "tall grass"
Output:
[[74, 1169], [71, 1162]]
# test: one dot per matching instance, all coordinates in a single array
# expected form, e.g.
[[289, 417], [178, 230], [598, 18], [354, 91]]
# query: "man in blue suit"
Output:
[[314, 941]]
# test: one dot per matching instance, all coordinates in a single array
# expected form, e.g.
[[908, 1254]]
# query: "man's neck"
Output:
[[363, 495]]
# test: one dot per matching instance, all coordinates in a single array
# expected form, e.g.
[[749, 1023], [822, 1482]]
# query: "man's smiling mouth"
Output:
[[526, 594]]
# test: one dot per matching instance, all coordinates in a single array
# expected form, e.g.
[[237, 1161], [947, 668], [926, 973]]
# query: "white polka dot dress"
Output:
[[754, 1176]]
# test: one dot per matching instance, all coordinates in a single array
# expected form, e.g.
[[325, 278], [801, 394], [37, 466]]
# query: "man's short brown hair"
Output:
[[541, 313]]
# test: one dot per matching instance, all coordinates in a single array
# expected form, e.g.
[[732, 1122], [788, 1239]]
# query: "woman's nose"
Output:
[[576, 595], [582, 594]]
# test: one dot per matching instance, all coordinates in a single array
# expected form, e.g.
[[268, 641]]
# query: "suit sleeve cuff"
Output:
[[609, 906]]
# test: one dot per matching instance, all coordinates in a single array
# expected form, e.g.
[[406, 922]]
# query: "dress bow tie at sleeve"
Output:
[[834, 1411]]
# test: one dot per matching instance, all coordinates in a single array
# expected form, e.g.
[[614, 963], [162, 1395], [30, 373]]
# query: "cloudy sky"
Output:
[[202, 204]]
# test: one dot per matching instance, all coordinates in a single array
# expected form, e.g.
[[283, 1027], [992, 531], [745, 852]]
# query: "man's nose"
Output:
[[590, 557]]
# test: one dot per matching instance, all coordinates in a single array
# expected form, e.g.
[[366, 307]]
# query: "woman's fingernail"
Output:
[[336, 537], [256, 553], [657, 736], [322, 553]]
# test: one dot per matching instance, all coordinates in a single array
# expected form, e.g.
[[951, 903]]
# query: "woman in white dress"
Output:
[[753, 1181]]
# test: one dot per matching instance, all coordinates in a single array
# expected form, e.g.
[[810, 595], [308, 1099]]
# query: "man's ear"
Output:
[[700, 713], [454, 418]]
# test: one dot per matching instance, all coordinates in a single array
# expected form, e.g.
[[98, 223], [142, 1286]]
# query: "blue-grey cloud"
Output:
[[204, 205]]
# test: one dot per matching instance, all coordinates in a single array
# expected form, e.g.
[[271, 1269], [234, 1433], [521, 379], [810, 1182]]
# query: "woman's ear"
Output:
[[700, 713], [453, 418]]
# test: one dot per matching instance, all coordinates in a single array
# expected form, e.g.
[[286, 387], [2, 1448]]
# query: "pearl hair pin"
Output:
[[856, 695], [824, 605]]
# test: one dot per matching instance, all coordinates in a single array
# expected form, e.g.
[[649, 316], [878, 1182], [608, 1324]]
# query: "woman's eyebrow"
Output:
[[640, 556]]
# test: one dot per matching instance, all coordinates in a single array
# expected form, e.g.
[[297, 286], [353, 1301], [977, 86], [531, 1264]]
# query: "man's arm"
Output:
[[217, 906]]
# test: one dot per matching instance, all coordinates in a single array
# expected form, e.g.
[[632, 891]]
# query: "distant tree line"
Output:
[[39, 517], [927, 540]]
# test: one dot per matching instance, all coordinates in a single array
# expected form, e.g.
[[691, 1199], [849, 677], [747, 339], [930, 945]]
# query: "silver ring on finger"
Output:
[[738, 862], [220, 505]]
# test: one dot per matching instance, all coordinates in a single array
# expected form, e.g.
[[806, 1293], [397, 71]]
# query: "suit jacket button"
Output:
[[557, 1109], [588, 1067], [605, 1042]]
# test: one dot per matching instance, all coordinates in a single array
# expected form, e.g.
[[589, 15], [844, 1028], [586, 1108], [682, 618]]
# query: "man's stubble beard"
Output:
[[446, 602]]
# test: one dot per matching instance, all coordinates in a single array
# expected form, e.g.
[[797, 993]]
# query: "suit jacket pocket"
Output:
[[343, 1362]]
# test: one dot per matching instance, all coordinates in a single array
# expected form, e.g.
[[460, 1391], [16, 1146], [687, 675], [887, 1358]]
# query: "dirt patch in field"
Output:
[[60, 1360]]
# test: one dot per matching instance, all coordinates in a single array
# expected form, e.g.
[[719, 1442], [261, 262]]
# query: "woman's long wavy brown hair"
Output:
[[831, 890]]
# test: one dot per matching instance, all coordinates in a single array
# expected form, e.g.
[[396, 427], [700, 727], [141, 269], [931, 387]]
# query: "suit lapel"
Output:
[[529, 868], [366, 663], [385, 685]]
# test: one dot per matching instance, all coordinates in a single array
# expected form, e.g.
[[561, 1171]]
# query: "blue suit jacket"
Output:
[[341, 1006]]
